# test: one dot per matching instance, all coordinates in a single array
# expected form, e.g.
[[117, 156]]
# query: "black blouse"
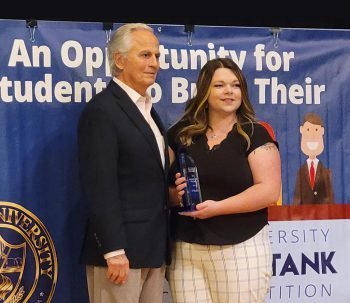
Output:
[[223, 172]]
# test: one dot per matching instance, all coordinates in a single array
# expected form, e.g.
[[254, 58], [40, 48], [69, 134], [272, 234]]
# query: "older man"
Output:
[[123, 167]]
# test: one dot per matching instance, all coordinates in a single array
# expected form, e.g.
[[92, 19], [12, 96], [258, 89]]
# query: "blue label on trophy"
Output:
[[192, 194]]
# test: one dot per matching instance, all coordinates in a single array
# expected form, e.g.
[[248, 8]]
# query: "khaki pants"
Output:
[[143, 286]]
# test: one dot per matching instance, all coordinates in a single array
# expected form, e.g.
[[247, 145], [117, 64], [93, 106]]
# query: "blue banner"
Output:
[[47, 75]]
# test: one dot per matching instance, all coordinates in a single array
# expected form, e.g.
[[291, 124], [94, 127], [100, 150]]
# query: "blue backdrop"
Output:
[[45, 83]]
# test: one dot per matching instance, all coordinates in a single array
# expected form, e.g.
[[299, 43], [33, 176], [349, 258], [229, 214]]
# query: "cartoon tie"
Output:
[[312, 175]]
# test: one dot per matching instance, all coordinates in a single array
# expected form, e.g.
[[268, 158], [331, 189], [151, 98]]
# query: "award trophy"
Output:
[[192, 190]]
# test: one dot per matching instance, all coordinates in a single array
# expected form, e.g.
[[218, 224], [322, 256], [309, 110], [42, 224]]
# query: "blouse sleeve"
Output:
[[258, 137]]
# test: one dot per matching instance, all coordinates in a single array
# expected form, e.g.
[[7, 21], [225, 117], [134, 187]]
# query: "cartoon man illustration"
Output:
[[314, 181]]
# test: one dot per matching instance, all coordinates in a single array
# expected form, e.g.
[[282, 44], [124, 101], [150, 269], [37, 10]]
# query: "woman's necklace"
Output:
[[214, 135]]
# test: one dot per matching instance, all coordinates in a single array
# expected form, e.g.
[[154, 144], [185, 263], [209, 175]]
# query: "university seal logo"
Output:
[[28, 260]]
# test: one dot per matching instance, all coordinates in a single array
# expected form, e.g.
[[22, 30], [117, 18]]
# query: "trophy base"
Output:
[[184, 209]]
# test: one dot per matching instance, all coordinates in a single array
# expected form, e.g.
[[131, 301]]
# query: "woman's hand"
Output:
[[178, 191], [205, 210]]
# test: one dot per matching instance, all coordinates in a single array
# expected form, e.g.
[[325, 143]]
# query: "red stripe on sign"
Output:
[[309, 212]]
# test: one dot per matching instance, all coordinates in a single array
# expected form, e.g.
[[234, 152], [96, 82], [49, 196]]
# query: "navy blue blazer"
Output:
[[123, 181]]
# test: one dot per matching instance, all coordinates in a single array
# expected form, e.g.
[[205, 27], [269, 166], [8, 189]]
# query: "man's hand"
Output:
[[118, 269]]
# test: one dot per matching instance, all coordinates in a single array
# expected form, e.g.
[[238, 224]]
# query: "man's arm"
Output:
[[98, 154]]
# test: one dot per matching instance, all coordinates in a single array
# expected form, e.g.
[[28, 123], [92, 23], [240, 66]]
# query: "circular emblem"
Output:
[[28, 260]]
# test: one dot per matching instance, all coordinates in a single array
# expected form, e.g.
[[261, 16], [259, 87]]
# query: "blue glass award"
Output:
[[188, 170]]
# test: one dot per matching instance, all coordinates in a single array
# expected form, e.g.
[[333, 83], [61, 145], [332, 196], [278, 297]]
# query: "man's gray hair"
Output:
[[121, 43]]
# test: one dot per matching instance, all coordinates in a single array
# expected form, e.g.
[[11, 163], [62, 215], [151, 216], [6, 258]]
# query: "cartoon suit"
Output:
[[322, 193]]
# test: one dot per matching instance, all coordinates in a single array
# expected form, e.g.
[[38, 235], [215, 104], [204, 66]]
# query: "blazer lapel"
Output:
[[131, 110], [162, 130], [319, 172], [306, 174]]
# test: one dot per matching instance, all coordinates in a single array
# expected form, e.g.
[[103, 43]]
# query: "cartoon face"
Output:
[[312, 139]]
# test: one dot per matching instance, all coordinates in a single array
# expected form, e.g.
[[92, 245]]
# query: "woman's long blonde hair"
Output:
[[196, 111]]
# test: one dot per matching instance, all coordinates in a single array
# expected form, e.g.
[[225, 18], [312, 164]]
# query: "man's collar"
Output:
[[133, 94]]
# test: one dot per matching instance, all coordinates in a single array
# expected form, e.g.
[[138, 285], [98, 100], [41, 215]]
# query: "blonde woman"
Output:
[[221, 250]]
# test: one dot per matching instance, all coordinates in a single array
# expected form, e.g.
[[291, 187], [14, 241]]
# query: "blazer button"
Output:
[[315, 193]]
